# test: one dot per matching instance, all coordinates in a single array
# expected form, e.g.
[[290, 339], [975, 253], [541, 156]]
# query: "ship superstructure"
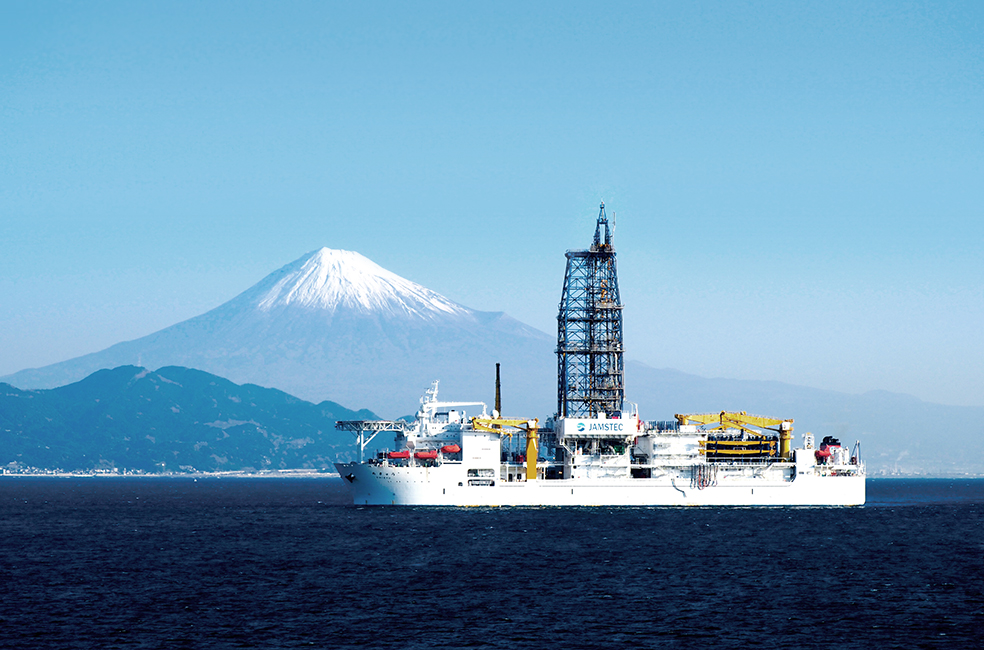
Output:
[[596, 450]]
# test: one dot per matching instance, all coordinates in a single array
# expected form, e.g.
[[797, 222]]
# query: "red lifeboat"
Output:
[[426, 455], [399, 454], [451, 449]]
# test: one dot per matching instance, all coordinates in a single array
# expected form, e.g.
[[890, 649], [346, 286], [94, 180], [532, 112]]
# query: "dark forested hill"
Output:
[[174, 419]]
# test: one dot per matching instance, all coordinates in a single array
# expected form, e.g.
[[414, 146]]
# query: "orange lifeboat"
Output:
[[426, 455], [398, 454], [451, 449]]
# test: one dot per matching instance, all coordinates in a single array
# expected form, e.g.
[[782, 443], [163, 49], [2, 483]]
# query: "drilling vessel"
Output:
[[596, 450]]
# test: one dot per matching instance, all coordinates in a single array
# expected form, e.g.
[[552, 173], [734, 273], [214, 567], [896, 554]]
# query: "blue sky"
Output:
[[799, 187]]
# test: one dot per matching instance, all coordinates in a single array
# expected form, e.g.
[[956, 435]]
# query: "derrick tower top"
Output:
[[602, 242]]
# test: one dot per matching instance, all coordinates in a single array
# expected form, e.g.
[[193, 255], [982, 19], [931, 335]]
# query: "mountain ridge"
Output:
[[174, 418], [87, 424], [899, 433]]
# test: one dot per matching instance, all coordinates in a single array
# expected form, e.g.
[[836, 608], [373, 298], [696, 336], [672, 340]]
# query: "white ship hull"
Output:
[[447, 485], [445, 459]]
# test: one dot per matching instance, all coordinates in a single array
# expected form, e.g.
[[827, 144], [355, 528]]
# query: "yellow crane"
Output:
[[509, 426], [753, 424]]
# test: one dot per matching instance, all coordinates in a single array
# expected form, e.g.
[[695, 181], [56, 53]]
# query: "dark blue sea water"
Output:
[[285, 563]]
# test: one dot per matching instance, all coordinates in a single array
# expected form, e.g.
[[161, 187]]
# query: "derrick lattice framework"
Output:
[[589, 331]]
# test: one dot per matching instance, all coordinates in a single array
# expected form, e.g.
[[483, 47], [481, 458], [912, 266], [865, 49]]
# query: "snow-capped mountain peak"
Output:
[[334, 325], [335, 279]]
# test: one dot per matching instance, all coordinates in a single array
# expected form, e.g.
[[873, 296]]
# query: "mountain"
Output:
[[173, 419], [335, 325], [898, 433]]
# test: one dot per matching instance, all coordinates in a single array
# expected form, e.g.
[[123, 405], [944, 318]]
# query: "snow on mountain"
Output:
[[334, 279], [334, 325]]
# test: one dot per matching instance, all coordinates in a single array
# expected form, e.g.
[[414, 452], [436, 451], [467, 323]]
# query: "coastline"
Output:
[[281, 473]]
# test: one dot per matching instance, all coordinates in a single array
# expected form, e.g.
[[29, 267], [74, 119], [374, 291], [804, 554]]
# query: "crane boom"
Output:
[[740, 419], [509, 426], [745, 422]]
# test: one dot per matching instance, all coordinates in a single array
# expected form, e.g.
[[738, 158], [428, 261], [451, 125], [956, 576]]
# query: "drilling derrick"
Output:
[[589, 331]]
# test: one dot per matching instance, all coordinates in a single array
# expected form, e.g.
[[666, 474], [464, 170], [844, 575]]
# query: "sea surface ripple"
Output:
[[289, 563]]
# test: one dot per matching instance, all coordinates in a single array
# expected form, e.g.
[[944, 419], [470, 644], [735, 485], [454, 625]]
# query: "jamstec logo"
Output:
[[601, 426]]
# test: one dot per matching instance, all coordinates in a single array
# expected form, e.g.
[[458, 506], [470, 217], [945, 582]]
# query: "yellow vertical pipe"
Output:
[[785, 440], [531, 453]]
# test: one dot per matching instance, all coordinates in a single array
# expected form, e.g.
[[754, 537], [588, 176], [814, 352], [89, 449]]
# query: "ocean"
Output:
[[289, 563]]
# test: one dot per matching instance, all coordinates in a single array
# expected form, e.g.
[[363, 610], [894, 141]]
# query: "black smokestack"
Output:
[[498, 395]]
